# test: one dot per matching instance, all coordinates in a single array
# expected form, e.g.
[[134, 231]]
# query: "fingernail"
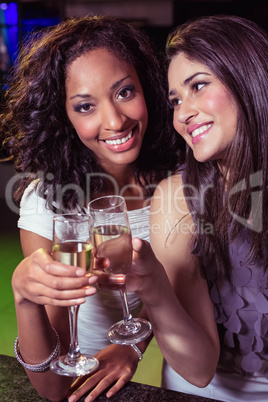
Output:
[[109, 394], [78, 301], [92, 279], [89, 291], [80, 272], [72, 398]]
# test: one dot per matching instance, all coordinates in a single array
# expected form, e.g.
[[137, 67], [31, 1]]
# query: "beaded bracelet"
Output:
[[138, 351], [41, 366]]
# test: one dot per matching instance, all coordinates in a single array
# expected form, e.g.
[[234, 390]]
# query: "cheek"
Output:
[[219, 102], [177, 125], [175, 122], [139, 111], [85, 131], [224, 107]]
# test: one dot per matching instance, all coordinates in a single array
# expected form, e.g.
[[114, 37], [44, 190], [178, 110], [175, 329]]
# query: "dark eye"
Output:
[[198, 85], [174, 102], [83, 108], [126, 92]]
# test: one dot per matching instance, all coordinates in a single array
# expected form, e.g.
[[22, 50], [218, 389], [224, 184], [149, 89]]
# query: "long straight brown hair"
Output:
[[236, 51]]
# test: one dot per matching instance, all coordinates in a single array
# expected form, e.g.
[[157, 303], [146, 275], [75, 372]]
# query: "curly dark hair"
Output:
[[35, 127], [236, 51]]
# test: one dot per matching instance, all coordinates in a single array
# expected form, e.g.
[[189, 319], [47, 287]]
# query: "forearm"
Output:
[[144, 344], [36, 343], [43, 290], [184, 344]]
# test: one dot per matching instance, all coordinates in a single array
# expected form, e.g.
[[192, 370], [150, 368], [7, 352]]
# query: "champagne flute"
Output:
[[112, 240], [72, 245]]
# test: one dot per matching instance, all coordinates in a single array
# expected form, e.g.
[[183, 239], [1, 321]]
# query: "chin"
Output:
[[203, 156]]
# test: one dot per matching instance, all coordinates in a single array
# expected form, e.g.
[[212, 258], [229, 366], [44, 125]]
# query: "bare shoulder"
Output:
[[174, 182], [171, 226], [169, 197], [169, 206]]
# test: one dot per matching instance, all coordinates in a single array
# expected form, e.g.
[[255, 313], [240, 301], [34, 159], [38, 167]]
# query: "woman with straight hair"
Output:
[[218, 89]]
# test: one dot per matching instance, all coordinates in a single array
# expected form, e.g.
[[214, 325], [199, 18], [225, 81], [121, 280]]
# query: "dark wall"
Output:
[[256, 10]]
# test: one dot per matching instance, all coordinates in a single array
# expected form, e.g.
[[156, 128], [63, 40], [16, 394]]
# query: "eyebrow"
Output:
[[188, 80], [115, 85]]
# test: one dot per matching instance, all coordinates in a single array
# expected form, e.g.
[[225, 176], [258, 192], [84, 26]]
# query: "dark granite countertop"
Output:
[[16, 387]]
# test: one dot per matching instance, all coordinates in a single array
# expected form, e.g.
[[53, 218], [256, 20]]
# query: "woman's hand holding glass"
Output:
[[40, 280]]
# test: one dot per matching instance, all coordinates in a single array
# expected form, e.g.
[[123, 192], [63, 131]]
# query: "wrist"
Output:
[[16, 286], [43, 366], [20, 300]]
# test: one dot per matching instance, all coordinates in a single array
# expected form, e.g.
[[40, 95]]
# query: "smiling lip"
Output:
[[198, 131], [120, 143]]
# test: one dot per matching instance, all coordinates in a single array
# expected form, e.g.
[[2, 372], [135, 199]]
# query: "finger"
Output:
[[101, 263], [43, 300], [61, 303], [65, 294], [105, 383], [99, 380], [60, 283], [137, 244], [46, 262], [42, 258], [142, 250], [44, 295], [82, 385], [59, 269], [99, 389], [86, 382], [119, 385], [108, 281]]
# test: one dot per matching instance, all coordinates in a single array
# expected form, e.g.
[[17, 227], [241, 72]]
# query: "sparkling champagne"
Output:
[[74, 253], [113, 242]]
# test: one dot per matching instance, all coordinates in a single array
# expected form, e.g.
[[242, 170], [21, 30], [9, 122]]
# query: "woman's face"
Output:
[[106, 106], [205, 113]]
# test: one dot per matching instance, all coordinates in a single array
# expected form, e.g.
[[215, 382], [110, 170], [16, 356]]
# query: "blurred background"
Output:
[[17, 20]]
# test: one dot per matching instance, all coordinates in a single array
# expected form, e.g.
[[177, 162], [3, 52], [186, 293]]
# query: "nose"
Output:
[[113, 119], [186, 111]]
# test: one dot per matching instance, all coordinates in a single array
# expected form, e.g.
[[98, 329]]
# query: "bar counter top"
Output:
[[16, 387]]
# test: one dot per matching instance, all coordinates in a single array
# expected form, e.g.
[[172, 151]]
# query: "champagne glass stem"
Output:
[[128, 325], [126, 314], [74, 350]]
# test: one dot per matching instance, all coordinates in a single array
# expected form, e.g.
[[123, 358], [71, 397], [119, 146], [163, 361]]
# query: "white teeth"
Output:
[[200, 130], [119, 141]]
